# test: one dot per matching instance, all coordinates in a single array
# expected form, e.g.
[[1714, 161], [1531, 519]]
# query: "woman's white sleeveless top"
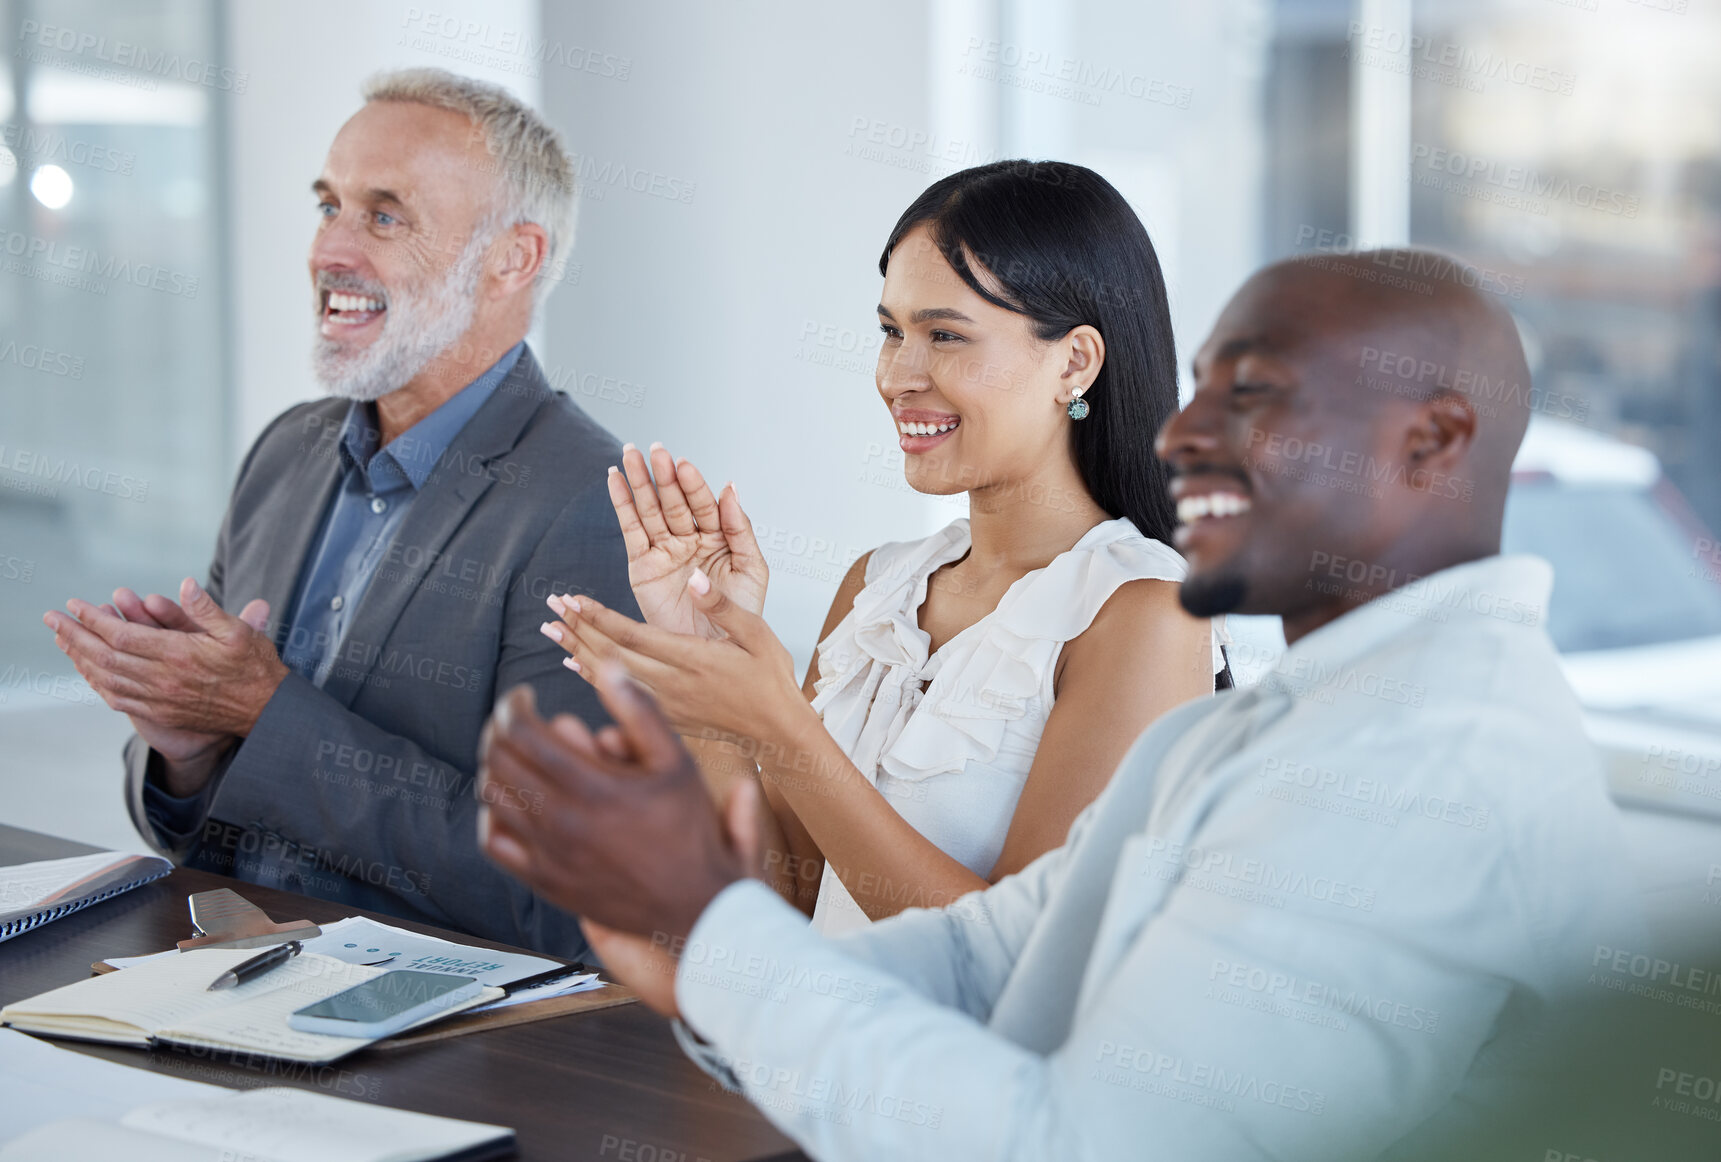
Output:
[[948, 737]]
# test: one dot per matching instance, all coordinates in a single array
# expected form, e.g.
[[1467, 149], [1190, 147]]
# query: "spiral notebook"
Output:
[[31, 894]]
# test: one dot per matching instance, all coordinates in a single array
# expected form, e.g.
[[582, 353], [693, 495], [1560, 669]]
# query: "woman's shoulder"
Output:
[[1064, 598], [1119, 544]]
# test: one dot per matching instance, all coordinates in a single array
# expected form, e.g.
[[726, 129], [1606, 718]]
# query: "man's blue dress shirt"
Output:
[[377, 487]]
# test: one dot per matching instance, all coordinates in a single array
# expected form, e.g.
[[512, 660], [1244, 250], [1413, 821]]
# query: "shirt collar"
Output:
[[412, 456], [1502, 589]]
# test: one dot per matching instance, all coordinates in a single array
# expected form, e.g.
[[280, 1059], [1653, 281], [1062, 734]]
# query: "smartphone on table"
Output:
[[385, 1004]]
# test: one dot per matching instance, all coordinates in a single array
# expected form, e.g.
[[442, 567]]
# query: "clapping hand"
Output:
[[158, 612], [192, 678], [739, 680], [674, 525], [615, 826]]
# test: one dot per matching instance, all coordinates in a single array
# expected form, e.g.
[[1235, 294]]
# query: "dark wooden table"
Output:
[[610, 1084]]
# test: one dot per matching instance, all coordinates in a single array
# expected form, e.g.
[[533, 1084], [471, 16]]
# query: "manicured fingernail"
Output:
[[629, 448], [551, 630], [699, 582], [554, 602], [571, 664], [733, 491], [614, 470], [657, 445], [570, 604]]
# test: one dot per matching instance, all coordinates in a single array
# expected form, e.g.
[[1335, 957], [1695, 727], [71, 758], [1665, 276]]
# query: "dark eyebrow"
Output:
[[947, 314], [928, 314]]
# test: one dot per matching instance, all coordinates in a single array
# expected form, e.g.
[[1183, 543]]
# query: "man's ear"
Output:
[[1442, 431], [525, 249], [1086, 354]]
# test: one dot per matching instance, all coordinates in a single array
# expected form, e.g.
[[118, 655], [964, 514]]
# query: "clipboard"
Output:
[[225, 919], [608, 997]]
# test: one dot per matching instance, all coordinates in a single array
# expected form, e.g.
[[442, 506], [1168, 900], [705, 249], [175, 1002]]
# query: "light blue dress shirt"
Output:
[[1349, 905], [378, 487]]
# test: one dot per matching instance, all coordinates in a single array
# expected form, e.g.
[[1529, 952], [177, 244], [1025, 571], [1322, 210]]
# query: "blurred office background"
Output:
[[741, 165]]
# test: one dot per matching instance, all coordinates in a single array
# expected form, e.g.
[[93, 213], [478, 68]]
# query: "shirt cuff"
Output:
[[704, 1054], [711, 979], [177, 820]]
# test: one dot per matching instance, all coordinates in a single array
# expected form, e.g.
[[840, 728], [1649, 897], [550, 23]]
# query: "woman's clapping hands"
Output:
[[673, 525], [736, 681]]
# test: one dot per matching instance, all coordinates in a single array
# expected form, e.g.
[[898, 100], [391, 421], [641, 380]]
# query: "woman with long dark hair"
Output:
[[974, 689]]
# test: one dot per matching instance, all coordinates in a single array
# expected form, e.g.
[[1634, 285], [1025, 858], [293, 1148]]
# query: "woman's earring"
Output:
[[1078, 408]]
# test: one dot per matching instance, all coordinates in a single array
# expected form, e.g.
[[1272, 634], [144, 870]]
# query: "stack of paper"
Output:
[[363, 941], [71, 1107]]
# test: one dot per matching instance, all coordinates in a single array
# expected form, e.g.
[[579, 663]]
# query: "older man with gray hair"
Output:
[[309, 719]]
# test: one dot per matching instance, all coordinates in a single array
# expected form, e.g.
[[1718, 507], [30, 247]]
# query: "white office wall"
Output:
[[735, 205], [1177, 128], [306, 61]]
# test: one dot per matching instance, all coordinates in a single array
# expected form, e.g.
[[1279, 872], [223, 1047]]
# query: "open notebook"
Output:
[[166, 1001], [35, 893], [281, 1125]]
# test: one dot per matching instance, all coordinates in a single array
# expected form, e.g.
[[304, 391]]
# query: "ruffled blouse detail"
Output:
[[896, 708]]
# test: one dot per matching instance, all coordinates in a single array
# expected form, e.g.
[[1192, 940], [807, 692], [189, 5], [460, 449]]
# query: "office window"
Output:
[[1575, 152], [114, 461]]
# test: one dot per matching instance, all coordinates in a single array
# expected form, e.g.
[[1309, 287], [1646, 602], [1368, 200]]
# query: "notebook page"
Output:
[[25, 885], [84, 1140], [261, 1026], [296, 1126], [41, 1083], [172, 994], [259, 1022], [152, 995]]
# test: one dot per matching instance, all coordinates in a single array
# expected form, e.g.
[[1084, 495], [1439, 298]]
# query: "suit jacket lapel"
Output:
[[455, 485]]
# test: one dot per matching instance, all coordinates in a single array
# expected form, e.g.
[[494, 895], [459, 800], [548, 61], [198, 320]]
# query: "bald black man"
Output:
[[1326, 916]]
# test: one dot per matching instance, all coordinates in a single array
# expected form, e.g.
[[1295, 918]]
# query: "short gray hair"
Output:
[[535, 178]]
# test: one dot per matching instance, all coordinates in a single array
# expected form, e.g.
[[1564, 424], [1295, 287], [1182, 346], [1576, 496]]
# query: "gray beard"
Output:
[[419, 326]]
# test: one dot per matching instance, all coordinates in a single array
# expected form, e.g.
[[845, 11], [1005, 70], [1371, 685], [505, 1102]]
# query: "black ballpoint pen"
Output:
[[258, 965], [577, 968]]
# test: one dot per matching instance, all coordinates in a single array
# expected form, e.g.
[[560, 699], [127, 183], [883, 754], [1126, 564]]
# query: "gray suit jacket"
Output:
[[363, 791]]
